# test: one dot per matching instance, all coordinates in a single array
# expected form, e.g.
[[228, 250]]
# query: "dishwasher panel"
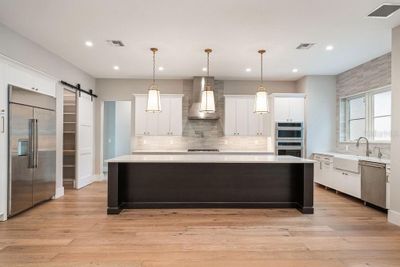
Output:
[[373, 183]]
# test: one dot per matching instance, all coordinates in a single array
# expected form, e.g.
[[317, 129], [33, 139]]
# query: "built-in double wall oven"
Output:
[[289, 138]]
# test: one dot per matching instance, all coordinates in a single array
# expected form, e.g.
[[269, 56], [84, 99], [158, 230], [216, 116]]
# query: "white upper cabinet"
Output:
[[175, 115], [28, 79], [240, 118], [167, 122], [289, 108]]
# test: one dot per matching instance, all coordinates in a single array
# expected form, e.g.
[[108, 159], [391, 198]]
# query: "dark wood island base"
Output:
[[133, 185]]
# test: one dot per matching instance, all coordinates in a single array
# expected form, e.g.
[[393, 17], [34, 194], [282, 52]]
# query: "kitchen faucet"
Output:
[[367, 152]]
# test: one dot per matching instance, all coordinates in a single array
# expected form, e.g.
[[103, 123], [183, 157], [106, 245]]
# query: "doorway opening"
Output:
[[117, 130]]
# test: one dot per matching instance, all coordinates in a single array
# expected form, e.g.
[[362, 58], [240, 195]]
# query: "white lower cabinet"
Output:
[[347, 182], [340, 180]]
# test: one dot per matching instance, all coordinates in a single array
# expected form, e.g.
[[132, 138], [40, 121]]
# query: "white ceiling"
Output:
[[181, 29]]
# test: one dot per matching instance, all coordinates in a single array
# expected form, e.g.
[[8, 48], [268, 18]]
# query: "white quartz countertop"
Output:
[[356, 157], [208, 158]]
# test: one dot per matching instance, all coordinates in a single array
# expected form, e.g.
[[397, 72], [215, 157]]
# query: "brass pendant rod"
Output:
[[154, 50]]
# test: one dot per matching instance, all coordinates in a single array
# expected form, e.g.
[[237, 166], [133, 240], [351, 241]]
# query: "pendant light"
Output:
[[261, 102], [153, 94], [207, 95]]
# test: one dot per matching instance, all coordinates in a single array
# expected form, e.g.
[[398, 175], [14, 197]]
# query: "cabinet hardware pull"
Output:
[[2, 124]]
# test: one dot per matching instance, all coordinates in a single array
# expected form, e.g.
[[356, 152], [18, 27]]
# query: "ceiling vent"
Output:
[[384, 11], [115, 43], [305, 46]]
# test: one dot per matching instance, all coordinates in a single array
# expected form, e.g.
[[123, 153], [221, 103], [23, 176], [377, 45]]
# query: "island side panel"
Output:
[[114, 205], [306, 200]]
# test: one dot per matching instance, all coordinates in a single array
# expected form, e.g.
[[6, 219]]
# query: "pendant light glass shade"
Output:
[[153, 99], [261, 105], [261, 102], [207, 104], [207, 101], [153, 94]]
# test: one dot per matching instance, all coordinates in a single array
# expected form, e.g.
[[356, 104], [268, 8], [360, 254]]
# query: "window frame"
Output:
[[344, 104]]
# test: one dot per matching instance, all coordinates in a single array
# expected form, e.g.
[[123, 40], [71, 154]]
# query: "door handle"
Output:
[[3, 128], [36, 148], [31, 145]]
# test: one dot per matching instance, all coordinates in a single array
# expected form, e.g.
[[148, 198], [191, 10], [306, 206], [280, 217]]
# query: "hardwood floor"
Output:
[[75, 231]]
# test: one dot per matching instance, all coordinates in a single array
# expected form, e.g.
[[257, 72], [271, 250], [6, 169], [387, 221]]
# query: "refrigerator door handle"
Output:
[[31, 145], [36, 147]]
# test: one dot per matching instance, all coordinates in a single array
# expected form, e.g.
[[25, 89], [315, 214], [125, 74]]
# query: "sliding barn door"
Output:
[[85, 153]]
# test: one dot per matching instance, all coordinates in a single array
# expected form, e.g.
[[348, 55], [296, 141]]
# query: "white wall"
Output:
[[394, 213], [22, 50], [239, 87], [320, 112], [122, 127]]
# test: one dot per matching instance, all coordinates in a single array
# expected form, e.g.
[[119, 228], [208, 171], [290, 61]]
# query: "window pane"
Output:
[[382, 104], [382, 128], [357, 108], [357, 129]]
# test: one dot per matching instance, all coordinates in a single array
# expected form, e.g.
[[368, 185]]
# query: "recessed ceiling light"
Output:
[[204, 69], [116, 67], [295, 70], [248, 69], [160, 68], [329, 47], [89, 43]]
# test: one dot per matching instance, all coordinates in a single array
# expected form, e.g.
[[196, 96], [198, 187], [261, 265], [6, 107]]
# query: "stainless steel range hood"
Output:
[[194, 110]]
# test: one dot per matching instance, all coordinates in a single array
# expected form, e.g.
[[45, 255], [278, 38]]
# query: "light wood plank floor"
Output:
[[75, 231]]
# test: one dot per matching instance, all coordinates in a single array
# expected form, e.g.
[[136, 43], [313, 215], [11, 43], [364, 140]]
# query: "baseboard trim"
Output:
[[59, 192], [394, 217], [101, 177], [84, 181]]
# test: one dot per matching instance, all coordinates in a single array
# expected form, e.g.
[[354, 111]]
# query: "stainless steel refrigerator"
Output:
[[32, 149]]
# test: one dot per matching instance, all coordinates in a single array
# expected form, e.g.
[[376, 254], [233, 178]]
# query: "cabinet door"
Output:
[[19, 77], [230, 116], [253, 119], [281, 109], [318, 170], [241, 116], [44, 85], [140, 115], [152, 123], [164, 117], [348, 183], [327, 177], [175, 116], [296, 109]]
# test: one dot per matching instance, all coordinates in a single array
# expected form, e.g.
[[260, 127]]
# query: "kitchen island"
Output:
[[210, 181]]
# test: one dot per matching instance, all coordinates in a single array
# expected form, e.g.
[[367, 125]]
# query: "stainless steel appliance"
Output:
[[289, 138], [373, 183], [290, 147], [32, 149], [289, 130]]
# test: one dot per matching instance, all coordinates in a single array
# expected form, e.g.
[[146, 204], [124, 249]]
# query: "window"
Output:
[[382, 107], [367, 114]]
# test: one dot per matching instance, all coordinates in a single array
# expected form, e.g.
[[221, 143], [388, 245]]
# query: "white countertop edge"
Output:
[[364, 158], [207, 158], [151, 152]]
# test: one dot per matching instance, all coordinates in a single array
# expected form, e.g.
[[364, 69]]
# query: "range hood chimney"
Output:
[[194, 110]]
